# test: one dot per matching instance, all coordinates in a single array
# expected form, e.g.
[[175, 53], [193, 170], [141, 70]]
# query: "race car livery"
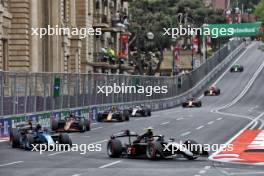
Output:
[[71, 123], [139, 111], [154, 147], [237, 68], [191, 103], [113, 114], [26, 134], [212, 91]]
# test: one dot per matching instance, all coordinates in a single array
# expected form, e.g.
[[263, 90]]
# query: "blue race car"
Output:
[[25, 135]]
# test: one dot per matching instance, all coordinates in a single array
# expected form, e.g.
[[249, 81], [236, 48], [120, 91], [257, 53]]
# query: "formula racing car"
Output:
[[212, 91], [113, 114], [27, 134], [71, 123], [237, 68], [139, 111], [149, 146], [191, 103]]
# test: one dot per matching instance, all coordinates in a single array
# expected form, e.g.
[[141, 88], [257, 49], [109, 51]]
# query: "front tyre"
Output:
[[114, 148]]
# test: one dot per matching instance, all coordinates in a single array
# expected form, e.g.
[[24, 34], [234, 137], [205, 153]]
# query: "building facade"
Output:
[[21, 50]]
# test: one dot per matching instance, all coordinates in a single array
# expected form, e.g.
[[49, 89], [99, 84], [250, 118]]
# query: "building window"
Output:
[[64, 10], [5, 55]]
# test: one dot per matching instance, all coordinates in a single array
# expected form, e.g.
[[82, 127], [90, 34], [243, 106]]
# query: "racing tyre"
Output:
[[14, 138], [114, 148], [54, 125], [29, 140], [149, 112], [126, 114], [82, 125], [199, 104], [194, 149], [65, 139], [99, 117], [87, 124], [241, 69], [153, 151]]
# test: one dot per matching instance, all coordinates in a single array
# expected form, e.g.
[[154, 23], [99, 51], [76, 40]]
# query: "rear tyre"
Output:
[[54, 125], [153, 151], [149, 112], [114, 148], [99, 117], [87, 124], [14, 138], [126, 114], [29, 140], [82, 125], [65, 139]]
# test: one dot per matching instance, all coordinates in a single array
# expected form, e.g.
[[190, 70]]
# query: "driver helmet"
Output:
[[149, 130], [71, 115], [38, 127], [114, 108], [212, 87]]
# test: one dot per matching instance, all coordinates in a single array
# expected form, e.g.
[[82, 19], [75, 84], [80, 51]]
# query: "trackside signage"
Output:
[[238, 30]]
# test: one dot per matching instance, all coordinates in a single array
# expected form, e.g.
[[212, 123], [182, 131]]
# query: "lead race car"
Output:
[[237, 68], [113, 114], [191, 102], [212, 91], [139, 111], [27, 134], [152, 147], [71, 123]]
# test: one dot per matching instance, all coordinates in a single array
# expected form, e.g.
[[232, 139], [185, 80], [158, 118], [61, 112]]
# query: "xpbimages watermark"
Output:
[[81, 32], [56, 147], [116, 89], [175, 148], [190, 31]]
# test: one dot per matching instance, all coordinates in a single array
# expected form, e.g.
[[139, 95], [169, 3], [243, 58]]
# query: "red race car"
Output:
[[212, 91], [190, 103], [71, 123]]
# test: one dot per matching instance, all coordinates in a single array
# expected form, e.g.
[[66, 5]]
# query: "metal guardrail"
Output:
[[23, 93]]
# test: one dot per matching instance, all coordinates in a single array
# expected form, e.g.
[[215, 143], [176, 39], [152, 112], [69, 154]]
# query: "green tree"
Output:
[[155, 15]]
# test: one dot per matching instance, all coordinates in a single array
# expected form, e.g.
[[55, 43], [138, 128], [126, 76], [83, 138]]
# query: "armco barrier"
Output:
[[90, 112]]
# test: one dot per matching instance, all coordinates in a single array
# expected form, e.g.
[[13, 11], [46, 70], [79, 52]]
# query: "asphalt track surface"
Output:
[[219, 119]]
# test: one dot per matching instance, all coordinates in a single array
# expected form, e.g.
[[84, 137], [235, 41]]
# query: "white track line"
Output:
[[165, 123], [110, 164], [96, 128], [8, 164], [57, 153], [254, 125], [210, 123], [234, 137], [186, 133], [200, 127]]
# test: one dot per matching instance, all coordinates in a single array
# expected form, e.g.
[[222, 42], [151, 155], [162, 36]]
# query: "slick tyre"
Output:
[[99, 117], [82, 125], [87, 125], [193, 147], [54, 125], [149, 112], [14, 138], [126, 114], [153, 151], [114, 148], [29, 140], [65, 139]]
